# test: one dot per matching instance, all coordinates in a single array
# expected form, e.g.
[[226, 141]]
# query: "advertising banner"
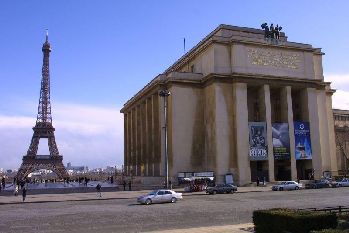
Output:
[[302, 140], [258, 141], [281, 141]]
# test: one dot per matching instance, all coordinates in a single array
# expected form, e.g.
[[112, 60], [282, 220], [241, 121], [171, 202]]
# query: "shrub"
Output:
[[344, 216], [295, 221]]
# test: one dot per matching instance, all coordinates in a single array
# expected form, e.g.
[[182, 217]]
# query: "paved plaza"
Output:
[[119, 212]]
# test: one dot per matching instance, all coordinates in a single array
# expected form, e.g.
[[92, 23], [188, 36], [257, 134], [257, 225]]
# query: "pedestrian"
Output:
[[98, 188], [129, 185], [264, 181], [170, 184], [257, 181], [3, 182], [15, 192], [124, 184], [24, 193]]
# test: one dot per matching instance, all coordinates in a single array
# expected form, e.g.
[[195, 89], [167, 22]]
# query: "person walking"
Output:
[[257, 181], [24, 193], [124, 184], [129, 185], [98, 188], [16, 190], [3, 183]]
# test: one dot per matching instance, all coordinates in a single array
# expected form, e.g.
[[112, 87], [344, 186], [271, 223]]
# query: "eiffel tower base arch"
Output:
[[34, 163]]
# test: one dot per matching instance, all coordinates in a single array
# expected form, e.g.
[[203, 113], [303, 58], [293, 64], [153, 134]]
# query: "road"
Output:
[[125, 215]]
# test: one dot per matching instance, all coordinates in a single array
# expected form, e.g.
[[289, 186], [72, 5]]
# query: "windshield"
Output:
[[153, 192]]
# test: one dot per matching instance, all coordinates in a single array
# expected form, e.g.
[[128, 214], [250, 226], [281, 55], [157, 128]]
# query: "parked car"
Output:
[[317, 184], [287, 185], [343, 183], [160, 196], [221, 188]]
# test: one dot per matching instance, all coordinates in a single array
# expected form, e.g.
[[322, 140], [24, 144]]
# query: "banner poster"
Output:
[[281, 141], [302, 140], [258, 141]]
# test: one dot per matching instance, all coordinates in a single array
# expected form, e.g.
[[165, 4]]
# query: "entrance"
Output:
[[282, 170], [304, 169], [259, 169]]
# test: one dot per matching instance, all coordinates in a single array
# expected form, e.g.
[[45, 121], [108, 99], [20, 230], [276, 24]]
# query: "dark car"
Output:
[[318, 184], [221, 188]]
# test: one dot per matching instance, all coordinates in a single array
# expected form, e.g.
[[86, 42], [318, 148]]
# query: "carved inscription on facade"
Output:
[[274, 58]]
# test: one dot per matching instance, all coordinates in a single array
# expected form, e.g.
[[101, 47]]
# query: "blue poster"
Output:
[[302, 140]]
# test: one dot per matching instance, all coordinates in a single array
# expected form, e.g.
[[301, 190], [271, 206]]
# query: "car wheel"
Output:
[[214, 192], [296, 188], [173, 200], [281, 189], [148, 201]]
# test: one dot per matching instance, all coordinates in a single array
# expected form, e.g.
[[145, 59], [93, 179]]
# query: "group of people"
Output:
[[129, 185], [271, 32], [258, 181], [3, 183]]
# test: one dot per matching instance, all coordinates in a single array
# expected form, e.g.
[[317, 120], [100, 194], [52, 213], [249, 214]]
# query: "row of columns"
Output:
[[242, 130], [142, 156]]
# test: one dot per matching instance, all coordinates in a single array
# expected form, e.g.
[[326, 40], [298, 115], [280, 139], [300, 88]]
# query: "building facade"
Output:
[[241, 105], [341, 126]]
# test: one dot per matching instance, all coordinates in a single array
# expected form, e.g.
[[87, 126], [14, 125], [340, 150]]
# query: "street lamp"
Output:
[[165, 94]]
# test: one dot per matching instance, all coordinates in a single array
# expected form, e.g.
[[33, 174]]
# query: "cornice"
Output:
[[226, 78]]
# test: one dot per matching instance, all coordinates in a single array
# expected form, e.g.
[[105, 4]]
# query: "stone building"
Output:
[[241, 105], [341, 126]]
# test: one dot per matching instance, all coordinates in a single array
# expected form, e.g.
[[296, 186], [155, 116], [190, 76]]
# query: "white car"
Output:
[[287, 185], [160, 196], [343, 183]]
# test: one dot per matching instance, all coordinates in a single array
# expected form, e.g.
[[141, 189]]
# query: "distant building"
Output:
[[109, 169], [76, 169], [341, 124]]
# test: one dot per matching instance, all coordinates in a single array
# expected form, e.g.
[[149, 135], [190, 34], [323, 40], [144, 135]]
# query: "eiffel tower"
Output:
[[43, 129]]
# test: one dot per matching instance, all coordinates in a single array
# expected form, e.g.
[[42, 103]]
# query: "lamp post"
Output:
[[165, 94]]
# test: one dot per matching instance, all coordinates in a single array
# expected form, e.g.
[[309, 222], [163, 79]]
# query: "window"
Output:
[[161, 193], [168, 192]]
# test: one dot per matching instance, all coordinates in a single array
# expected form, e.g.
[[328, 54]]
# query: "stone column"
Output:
[[224, 130], [162, 135], [146, 141], [332, 136], [241, 134], [131, 143], [152, 136], [287, 116], [265, 95], [136, 169], [125, 143], [313, 117]]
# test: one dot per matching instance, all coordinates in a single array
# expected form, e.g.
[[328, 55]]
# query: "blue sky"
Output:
[[103, 52]]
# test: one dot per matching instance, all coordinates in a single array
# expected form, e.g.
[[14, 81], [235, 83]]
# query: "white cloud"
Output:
[[340, 99], [338, 81], [85, 135]]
